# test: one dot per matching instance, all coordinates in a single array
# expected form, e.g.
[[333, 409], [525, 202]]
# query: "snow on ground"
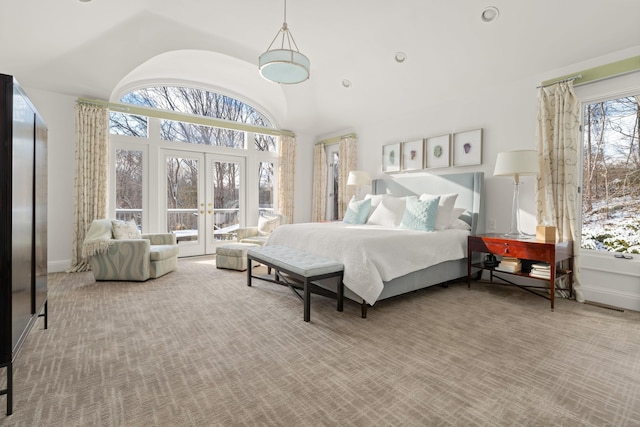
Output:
[[619, 231]]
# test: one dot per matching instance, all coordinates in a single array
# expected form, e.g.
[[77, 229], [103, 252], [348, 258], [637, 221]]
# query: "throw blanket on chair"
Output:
[[98, 238]]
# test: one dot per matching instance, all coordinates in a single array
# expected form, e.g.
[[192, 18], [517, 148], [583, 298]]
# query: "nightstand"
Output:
[[529, 251]]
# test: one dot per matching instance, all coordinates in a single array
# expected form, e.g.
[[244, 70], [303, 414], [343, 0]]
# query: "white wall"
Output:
[[58, 113], [507, 115], [304, 178]]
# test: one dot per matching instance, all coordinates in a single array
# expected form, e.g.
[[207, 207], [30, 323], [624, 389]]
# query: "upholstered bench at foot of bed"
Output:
[[233, 256], [299, 265]]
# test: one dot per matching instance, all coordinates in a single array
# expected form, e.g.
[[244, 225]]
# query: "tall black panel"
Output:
[[23, 223], [40, 216]]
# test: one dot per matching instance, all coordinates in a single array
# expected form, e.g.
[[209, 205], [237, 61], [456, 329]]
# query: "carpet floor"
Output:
[[198, 347]]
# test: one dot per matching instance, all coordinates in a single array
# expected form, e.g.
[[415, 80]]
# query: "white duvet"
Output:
[[373, 254]]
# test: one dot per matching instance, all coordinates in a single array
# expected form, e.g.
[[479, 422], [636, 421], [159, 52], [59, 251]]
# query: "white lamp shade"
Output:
[[284, 66], [517, 162], [359, 178]]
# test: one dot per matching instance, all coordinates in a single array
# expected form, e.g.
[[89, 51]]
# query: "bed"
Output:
[[382, 260]]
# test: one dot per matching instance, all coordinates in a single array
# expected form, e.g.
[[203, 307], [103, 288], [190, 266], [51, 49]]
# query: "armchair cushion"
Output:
[[266, 224], [125, 229], [245, 233], [160, 252]]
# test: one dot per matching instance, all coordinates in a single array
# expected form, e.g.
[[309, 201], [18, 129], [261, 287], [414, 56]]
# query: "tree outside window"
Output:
[[611, 176]]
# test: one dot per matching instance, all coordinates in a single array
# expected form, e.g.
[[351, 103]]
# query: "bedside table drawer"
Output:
[[510, 249]]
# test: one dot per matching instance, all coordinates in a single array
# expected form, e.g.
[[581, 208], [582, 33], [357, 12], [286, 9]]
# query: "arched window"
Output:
[[196, 102], [188, 153]]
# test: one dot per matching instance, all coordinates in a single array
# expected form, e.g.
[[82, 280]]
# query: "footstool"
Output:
[[233, 256]]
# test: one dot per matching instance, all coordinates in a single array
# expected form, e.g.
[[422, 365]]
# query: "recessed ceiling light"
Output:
[[400, 57], [84, 1], [489, 14], [346, 83]]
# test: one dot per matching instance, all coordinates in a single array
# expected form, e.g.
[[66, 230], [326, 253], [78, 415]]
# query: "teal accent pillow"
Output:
[[357, 211], [421, 214]]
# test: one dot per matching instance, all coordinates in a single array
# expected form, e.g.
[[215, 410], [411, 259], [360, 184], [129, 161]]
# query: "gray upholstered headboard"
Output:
[[469, 186]]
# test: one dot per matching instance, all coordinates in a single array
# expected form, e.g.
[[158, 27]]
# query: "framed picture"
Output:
[[391, 158], [438, 152], [467, 148], [412, 155]]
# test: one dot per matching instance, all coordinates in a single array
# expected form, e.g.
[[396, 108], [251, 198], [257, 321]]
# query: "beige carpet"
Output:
[[197, 348]]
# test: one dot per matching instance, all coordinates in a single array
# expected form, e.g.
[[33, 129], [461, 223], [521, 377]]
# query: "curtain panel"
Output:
[[319, 202], [286, 177], [558, 139], [347, 155], [91, 163]]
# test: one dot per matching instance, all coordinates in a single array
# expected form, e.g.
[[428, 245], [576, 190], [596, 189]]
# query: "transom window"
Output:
[[197, 102]]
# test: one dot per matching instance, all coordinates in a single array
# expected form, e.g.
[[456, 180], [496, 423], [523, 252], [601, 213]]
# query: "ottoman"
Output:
[[233, 256]]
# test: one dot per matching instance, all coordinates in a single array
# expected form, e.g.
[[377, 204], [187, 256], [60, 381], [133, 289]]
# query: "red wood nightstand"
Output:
[[527, 249]]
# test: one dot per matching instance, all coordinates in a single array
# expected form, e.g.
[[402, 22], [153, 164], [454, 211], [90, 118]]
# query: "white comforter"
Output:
[[373, 254]]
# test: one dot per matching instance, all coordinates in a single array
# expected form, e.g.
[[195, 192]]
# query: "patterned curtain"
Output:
[[557, 194], [319, 202], [286, 177], [92, 158], [347, 155]]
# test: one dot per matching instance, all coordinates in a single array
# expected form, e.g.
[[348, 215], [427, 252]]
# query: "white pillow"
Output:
[[455, 215], [459, 224], [389, 212], [375, 201], [266, 224], [375, 198], [445, 209], [125, 229]]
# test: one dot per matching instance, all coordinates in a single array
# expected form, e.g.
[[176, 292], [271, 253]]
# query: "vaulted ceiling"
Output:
[[98, 48]]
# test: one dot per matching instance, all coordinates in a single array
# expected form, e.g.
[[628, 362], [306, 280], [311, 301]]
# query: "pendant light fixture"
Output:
[[283, 63]]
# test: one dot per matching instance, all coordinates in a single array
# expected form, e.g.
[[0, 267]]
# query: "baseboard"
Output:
[[612, 298], [58, 266]]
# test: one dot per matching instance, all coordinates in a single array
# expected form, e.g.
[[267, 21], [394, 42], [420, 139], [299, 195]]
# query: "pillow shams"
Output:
[[455, 215], [389, 212], [357, 211], [375, 201], [421, 214], [459, 224]]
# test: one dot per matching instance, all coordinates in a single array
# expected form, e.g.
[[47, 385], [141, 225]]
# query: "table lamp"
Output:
[[516, 163], [358, 178]]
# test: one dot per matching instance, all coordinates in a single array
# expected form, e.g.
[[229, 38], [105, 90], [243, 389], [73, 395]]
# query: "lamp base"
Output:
[[518, 235]]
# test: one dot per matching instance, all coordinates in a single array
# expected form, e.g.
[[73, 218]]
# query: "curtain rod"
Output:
[[183, 117], [602, 72], [568, 79], [335, 140]]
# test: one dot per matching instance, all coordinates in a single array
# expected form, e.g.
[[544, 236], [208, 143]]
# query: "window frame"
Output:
[[594, 92]]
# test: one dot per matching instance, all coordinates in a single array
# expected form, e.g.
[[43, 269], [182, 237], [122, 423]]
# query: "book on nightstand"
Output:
[[541, 270], [509, 265]]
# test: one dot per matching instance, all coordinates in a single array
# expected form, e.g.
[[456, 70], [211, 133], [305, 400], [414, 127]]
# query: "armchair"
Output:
[[132, 256], [260, 234]]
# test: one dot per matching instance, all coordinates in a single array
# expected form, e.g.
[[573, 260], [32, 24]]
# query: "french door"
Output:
[[204, 199]]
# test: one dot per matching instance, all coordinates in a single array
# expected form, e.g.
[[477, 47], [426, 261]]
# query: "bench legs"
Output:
[[306, 289], [307, 300], [340, 292]]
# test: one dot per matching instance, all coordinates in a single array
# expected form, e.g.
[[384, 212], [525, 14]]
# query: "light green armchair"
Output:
[[260, 234], [146, 256]]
